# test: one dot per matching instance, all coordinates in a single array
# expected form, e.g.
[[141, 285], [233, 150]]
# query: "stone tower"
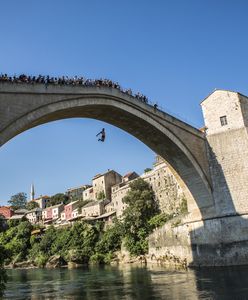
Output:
[[226, 120]]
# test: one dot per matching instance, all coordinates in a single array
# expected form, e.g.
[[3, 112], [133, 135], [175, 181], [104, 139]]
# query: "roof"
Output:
[[21, 211], [77, 217], [16, 217], [215, 90], [46, 197], [93, 203], [128, 174], [71, 203], [54, 206], [109, 171], [35, 210], [106, 215], [6, 206]]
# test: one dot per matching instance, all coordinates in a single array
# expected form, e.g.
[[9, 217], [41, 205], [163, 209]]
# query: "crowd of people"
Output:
[[65, 80]]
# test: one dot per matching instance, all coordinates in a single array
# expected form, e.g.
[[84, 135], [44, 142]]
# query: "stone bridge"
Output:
[[23, 106], [211, 169]]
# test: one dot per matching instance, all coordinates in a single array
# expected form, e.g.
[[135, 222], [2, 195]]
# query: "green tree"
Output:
[[16, 241], [141, 208], [2, 223], [59, 198], [31, 205], [111, 238], [101, 195], [3, 276], [18, 201]]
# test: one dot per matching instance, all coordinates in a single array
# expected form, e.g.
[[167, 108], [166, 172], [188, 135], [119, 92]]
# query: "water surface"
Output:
[[128, 282]]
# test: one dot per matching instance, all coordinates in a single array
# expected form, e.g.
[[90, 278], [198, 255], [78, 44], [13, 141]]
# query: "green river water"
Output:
[[127, 282]]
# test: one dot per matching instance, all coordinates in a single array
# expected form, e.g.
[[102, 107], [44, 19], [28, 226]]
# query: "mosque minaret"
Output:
[[32, 192]]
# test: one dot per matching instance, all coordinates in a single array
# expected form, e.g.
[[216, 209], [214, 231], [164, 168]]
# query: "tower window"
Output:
[[223, 120]]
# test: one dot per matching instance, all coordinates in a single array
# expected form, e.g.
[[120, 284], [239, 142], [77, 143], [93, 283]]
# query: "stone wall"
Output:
[[214, 242], [167, 191]]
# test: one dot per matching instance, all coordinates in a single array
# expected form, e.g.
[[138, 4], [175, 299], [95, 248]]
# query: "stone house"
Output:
[[77, 193], [88, 194], [94, 209], [168, 192], [42, 201], [119, 191], [34, 216], [102, 183], [52, 212]]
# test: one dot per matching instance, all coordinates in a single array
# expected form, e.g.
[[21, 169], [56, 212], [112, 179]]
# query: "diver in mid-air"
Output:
[[103, 135]]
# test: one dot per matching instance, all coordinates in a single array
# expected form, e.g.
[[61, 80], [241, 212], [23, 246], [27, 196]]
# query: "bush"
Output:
[[41, 260], [159, 220], [97, 259]]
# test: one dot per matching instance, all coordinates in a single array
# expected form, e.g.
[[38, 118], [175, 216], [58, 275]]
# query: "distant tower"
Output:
[[32, 192]]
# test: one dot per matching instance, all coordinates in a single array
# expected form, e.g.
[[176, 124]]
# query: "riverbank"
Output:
[[121, 259]]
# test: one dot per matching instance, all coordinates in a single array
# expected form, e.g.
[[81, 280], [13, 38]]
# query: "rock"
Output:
[[21, 265], [73, 265], [55, 261]]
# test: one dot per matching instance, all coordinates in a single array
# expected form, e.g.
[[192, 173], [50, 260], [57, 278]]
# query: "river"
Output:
[[128, 282]]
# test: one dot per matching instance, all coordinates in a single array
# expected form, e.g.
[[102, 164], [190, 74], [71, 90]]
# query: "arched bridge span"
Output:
[[23, 106]]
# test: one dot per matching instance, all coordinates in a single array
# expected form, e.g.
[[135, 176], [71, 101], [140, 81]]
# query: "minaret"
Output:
[[32, 192]]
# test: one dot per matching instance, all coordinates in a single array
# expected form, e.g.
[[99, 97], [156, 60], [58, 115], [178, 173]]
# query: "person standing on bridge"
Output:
[[103, 135]]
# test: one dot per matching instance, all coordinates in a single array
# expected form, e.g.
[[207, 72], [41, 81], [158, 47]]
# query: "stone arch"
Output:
[[134, 118]]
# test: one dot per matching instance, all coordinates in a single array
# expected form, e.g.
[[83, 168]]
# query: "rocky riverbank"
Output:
[[57, 261]]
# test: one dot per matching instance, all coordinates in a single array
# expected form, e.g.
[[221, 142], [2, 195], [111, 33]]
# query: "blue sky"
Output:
[[175, 52]]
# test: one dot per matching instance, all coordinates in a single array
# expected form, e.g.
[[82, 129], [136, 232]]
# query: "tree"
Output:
[[59, 198], [2, 223], [3, 275], [101, 195], [31, 205], [18, 201], [141, 208]]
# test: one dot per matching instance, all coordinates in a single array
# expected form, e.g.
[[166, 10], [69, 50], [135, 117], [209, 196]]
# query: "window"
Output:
[[223, 120]]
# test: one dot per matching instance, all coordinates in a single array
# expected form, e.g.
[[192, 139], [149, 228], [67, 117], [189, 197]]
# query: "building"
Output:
[[107, 218], [168, 192], [77, 193], [70, 210], [52, 213], [19, 214], [130, 176], [42, 201], [226, 120], [94, 209], [119, 191], [34, 216], [32, 193], [102, 184], [6, 211], [88, 194]]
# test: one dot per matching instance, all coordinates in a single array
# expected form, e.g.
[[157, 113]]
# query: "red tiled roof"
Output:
[[128, 174]]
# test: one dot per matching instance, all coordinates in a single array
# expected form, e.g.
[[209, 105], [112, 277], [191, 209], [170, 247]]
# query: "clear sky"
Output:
[[175, 52]]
